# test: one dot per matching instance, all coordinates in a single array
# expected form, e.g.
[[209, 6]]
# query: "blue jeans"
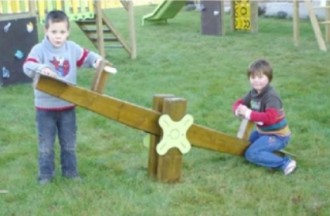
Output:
[[63, 124], [262, 150]]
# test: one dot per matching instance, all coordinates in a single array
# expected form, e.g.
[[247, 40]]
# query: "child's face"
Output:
[[57, 33], [259, 81]]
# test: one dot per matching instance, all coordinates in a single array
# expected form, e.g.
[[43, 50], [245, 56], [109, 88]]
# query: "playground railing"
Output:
[[75, 9]]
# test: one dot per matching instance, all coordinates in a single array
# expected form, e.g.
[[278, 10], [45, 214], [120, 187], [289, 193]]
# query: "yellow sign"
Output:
[[242, 15]]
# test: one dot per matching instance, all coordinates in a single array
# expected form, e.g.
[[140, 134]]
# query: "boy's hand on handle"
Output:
[[243, 111], [97, 63], [48, 72], [107, 66]]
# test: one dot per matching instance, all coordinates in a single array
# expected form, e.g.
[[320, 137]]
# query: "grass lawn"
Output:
[[208, 71]]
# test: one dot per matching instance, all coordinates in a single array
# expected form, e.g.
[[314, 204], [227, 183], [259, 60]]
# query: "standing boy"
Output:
[[55, 56], [263, 106]]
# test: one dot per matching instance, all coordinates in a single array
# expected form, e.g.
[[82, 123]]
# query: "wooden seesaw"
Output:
[[163, 164]]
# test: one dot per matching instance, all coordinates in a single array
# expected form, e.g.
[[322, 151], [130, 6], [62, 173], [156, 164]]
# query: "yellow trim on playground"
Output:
[[76, 6], [75, 9], [19, 6]]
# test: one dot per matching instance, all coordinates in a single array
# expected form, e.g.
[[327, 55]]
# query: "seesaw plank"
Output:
[[137, 117]]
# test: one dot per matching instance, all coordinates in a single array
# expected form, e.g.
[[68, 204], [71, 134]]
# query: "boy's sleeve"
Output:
[[272, 113], [86, 58], [33, 63], [236, 104], [245, 101]]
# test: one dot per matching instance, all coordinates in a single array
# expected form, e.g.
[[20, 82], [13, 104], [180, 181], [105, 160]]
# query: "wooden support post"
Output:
[[245, 129], [327, 18], [101, 76], [169, 165], [32, 7], [99, 28], [315, 25], [232, 15], [296, 22], [254, 16], [131, 27], [158, 102]]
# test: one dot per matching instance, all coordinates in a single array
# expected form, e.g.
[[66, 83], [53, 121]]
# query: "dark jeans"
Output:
[[63, 124], [262, 150]]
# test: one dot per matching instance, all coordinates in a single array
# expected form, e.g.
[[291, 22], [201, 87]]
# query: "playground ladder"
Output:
[[100, 30], [316, 23], [88, 14]]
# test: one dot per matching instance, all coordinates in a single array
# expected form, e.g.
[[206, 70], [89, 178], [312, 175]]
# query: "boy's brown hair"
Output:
[[56, 16], [260, 66]]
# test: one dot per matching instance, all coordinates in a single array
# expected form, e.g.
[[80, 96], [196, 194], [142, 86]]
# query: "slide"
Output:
[[165, 10]]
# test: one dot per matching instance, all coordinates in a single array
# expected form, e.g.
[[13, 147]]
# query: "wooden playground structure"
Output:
[[316, 23], [88, 14], [245, 14]]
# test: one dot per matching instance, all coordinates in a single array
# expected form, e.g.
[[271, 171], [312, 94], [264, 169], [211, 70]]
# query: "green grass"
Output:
[[209, 72]]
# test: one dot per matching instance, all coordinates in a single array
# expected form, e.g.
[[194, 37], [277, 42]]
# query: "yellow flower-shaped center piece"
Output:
[[174, 134]]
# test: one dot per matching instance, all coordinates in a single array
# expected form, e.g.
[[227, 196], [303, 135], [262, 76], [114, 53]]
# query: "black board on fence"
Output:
[[17, 37]]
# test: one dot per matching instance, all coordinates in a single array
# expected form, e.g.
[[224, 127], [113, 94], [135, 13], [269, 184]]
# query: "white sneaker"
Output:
[[290, 167]]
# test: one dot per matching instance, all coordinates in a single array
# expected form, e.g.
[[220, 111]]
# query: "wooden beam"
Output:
[[315, 25], [99, 28], [120, 38], [125, 4], [138, 117], [5, 17]]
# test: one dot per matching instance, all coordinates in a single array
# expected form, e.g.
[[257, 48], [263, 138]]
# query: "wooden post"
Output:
[[158, 102], [100, 78], [222, 17], [131, 24], [169, 165], [315, 25], [99, 28], [327, 19], [32, 7], [245, 129], [254, 16], [232, 15], [296, 22]]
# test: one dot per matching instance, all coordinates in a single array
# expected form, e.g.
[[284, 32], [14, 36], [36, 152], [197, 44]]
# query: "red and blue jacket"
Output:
[[267, 111]]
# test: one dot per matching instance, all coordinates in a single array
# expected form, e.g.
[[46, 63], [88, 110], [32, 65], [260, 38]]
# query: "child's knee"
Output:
[[251, 155]]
